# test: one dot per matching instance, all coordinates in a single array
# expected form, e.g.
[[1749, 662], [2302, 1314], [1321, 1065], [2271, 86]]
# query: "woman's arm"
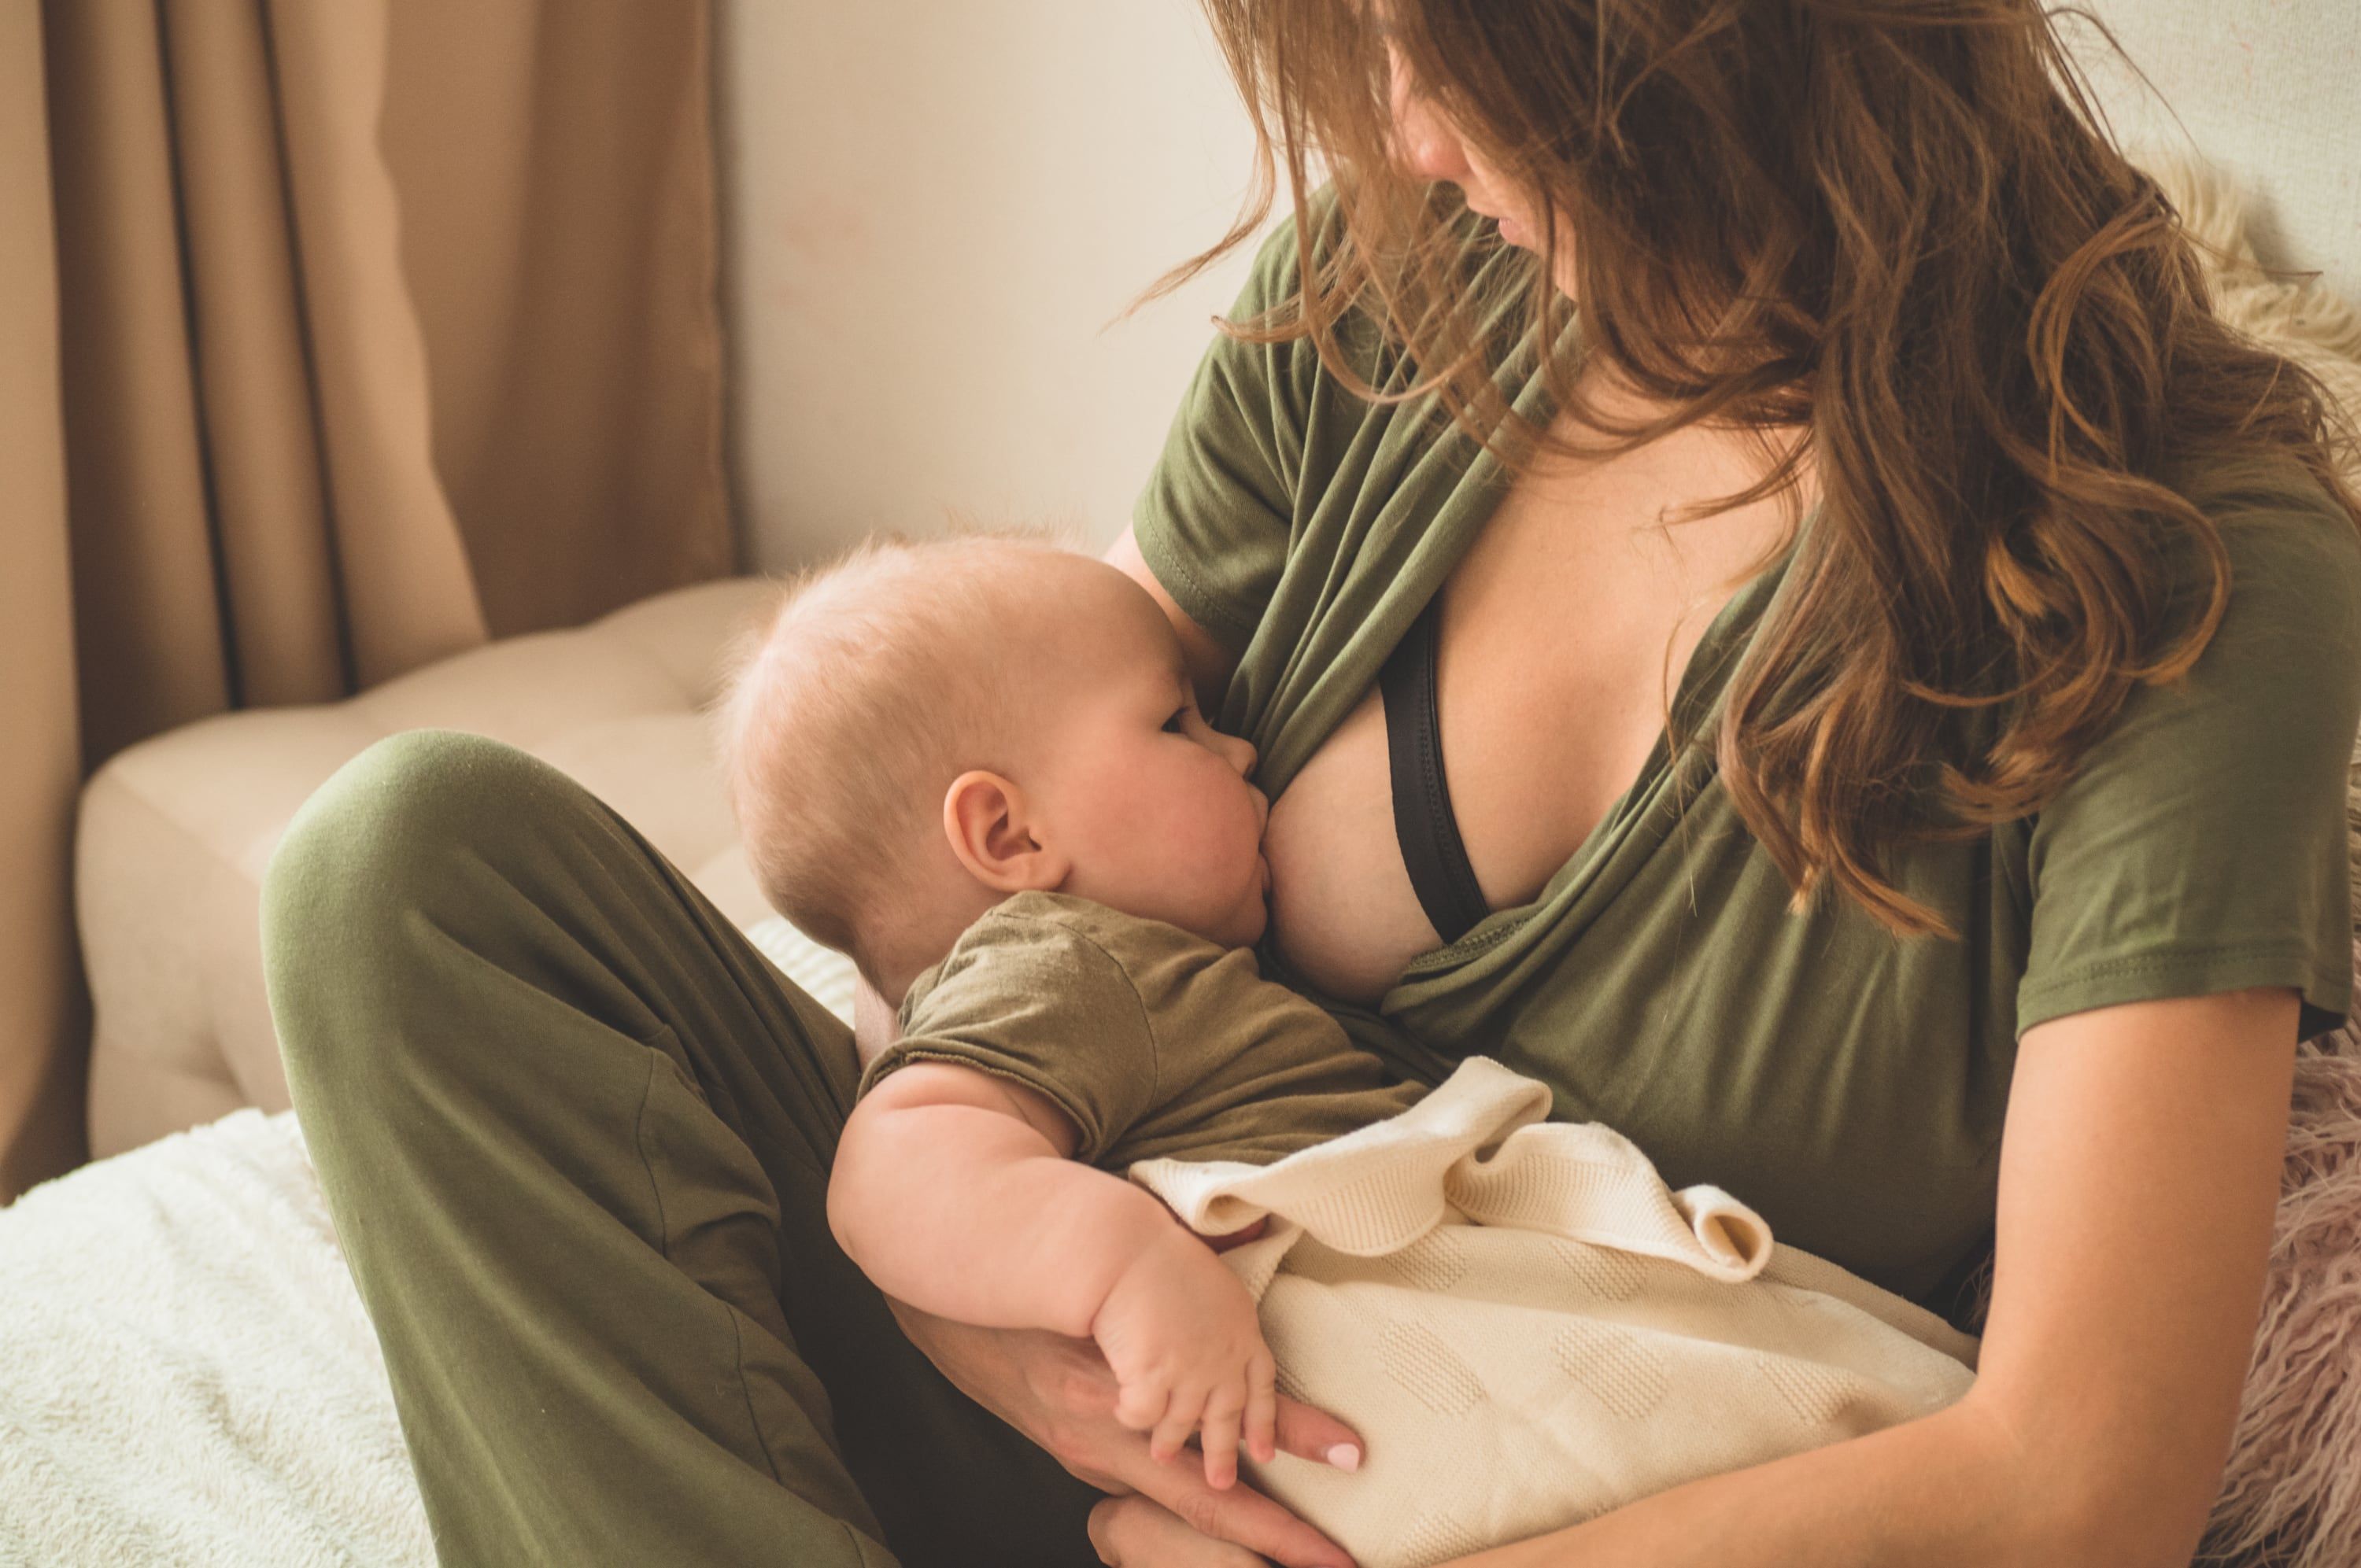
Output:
[[2139, 1170]]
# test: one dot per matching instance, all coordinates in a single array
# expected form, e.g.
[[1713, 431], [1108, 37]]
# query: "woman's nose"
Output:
[[1424, 143]]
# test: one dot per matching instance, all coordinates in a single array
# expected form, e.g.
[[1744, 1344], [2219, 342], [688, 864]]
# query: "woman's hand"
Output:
[[1132, 1533], [1059, 1392]]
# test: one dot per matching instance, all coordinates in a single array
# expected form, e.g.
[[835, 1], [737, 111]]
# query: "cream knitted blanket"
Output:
[[1528, 1328]]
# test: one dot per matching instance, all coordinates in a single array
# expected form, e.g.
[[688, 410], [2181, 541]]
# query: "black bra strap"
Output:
[[1423, 821]]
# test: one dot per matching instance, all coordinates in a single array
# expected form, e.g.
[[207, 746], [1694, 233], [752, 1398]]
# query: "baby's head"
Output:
[[920, 730]]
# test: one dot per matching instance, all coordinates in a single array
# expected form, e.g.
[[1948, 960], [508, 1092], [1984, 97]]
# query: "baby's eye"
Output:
[[1178, 722]]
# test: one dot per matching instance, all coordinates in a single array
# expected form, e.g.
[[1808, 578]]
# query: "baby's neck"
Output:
[[921, 933]]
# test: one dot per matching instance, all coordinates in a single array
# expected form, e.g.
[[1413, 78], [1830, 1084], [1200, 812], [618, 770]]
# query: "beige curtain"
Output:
[[335, 336]]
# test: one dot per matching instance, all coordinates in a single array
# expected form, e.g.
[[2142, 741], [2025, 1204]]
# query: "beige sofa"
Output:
[[175, 833]]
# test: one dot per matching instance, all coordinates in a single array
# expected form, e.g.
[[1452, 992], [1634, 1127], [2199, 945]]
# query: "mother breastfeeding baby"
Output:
[[978, 766], [1764, 601]]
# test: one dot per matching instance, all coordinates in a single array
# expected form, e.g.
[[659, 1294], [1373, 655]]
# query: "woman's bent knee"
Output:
[[397, 843], [392, 828]]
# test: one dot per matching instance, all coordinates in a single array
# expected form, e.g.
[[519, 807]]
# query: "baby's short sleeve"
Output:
[[1038, 1002], [2201, 846]]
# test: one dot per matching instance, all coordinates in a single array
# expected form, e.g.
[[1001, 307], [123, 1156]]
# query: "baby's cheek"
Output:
[[1206, 863], [1178, 842]]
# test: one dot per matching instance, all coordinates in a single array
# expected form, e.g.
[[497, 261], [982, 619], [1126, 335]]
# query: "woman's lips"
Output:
[[1513, 232]]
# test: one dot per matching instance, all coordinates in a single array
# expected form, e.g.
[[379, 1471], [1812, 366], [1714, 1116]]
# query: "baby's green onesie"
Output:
[[1157, 1043]]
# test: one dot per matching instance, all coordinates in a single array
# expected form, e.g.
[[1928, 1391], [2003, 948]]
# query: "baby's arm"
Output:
[[955, 1191]]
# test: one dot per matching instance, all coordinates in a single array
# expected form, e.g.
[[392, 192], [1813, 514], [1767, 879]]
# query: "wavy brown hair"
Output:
[[1899, 226]]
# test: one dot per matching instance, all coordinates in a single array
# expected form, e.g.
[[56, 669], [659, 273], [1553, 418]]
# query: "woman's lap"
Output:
[[576, 1132]]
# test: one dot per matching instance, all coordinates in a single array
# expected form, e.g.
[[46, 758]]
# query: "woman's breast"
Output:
[[1544, 719], [1343, 913], [1564, 631], [1527, 786]]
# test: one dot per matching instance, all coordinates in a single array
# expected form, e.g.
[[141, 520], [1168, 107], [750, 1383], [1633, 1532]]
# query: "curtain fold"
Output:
[[41, 1002], [563, 415], [361, 330]]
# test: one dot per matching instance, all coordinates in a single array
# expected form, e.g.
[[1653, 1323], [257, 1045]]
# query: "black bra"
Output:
[[1424, 821]]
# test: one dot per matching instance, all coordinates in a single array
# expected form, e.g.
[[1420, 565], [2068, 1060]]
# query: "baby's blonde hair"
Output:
[[871, 684]]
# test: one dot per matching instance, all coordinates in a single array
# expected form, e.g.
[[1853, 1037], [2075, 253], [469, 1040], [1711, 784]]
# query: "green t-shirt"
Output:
[[1159, 1044], [1848, 1085]]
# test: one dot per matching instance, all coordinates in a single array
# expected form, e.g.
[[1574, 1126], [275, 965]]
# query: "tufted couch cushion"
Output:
[[175, 832]]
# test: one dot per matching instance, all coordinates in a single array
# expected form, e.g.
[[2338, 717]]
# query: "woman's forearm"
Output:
[[1946, 1491]]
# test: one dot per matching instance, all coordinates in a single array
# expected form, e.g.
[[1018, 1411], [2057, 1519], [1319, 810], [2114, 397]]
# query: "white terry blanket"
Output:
[[186, 1373], [1527, 1327]]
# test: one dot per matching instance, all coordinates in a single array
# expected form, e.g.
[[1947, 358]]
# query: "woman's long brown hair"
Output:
[[1898, 225]]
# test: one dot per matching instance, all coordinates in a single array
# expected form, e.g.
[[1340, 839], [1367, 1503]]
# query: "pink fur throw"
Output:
[[2291, 1496], [2290, 1493]]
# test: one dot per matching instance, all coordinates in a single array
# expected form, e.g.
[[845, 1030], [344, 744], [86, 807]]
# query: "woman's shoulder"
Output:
[[1274, 287], [1266, 431], [2202, 842], [2287, 644], [2294, 557], [1272, 294], [2276, 492]]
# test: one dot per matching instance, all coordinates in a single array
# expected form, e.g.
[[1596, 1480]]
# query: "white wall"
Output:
[[2269, 90], [934, 209]]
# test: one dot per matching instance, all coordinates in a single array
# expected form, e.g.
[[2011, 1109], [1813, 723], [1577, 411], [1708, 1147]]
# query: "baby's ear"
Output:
[[987, 821]]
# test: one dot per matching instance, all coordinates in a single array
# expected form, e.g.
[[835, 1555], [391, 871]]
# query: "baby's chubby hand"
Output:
[[1180, 1334]]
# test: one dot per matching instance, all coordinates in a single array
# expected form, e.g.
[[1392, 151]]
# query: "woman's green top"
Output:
[[1848, 1084]]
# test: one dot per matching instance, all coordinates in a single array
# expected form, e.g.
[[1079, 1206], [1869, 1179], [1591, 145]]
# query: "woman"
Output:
[[1867, 719]]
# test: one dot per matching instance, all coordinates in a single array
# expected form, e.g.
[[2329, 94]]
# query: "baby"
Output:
[[977, 766]]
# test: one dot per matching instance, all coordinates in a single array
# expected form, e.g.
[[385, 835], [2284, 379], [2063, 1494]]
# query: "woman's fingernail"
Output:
[[1345, 1456]]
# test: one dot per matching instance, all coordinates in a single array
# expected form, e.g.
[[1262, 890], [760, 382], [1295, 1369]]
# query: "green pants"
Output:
[[575, 1132]]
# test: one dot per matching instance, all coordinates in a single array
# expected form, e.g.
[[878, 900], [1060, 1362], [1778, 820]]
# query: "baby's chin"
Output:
[[1252, 925], [1240, 925], [1254, 915], [1244, 926]]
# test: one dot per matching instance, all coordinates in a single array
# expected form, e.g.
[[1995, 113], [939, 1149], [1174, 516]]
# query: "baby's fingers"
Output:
[[1140, 1404], [1180, 1420], [1219, 1436], [1262, 1408]]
